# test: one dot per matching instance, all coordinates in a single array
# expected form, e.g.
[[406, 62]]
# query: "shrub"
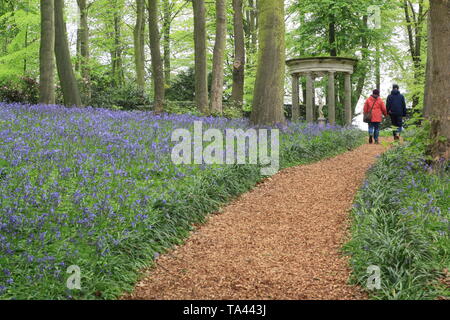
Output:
[[182, 87], [22, 90], [127, 97]]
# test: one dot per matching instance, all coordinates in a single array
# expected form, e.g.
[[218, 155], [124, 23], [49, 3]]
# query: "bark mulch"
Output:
[[281, 240]]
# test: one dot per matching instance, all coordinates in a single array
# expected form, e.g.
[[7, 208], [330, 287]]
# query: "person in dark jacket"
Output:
[[396, 107]]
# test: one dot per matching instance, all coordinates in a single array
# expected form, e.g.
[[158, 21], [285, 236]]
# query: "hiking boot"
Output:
[[377, 142], [396, 138], [370, 139]]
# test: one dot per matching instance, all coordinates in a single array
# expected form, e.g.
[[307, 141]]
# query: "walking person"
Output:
[[374, 109], [396, 107]]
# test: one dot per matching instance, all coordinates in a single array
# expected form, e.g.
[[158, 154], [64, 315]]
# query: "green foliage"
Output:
[[182, 87], [126, 97], [21, 89], [401, 224], [19, 38], [230, 110], [418, 137], [181, 107]]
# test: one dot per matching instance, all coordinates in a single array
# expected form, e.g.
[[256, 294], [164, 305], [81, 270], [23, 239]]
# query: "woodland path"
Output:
[[281, 240]]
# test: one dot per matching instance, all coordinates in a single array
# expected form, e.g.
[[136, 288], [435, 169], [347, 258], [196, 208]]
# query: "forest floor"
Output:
[[282, 240]]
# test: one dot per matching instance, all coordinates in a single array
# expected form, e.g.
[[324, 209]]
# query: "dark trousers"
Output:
[[374, 129], [397, 121]]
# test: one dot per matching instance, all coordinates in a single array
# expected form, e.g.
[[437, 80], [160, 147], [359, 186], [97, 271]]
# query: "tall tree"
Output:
[[157, 63], [252, 23], [167, 21], [171, 10], [118, 77], [377, 68], [415, 22], [363, 67], [25, 60], [67, 79], [332, 32], [237, 94], [201, 72], [139, 53], [219, 57], [46, 55], [83, 35], [429, 70], [269, 85], [439, 80]]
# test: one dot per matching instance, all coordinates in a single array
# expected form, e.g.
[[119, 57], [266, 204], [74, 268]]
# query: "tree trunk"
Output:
[[157, 63], [429, 68], [269, 86], [251, 31], [46, 53], [415, 41], [219, 57], [25, 61], [78, 46], [138, 33], [116, 54], [237, 95], [84, 50], [167, 22], [439, 81], [332, 34], [201, 72], [378, 68], [254, 22], [67, 79], [362, 78]]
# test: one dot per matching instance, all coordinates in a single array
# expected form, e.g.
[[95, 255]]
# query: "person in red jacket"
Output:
[[376, 104]]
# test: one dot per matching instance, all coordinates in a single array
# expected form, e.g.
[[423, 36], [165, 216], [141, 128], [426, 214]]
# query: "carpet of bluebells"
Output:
[[97, 188], [401, 223]]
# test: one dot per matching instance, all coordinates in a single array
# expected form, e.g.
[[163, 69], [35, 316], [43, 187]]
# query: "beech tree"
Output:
[[415, 23], [201, 70], [139, 54], [269, 86], [219, 57], [83, 40], [237, 95], [439, 80], [47, 48], [167, 21], [157, 63], [118, 77], [66, 74]]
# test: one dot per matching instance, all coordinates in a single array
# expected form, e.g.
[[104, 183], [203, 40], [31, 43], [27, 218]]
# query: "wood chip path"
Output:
[[281, 240]]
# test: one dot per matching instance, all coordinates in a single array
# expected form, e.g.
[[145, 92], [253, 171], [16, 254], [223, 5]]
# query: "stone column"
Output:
[[348, 99], [295, 98], [314, 105], [309, 98], [331, 98]]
